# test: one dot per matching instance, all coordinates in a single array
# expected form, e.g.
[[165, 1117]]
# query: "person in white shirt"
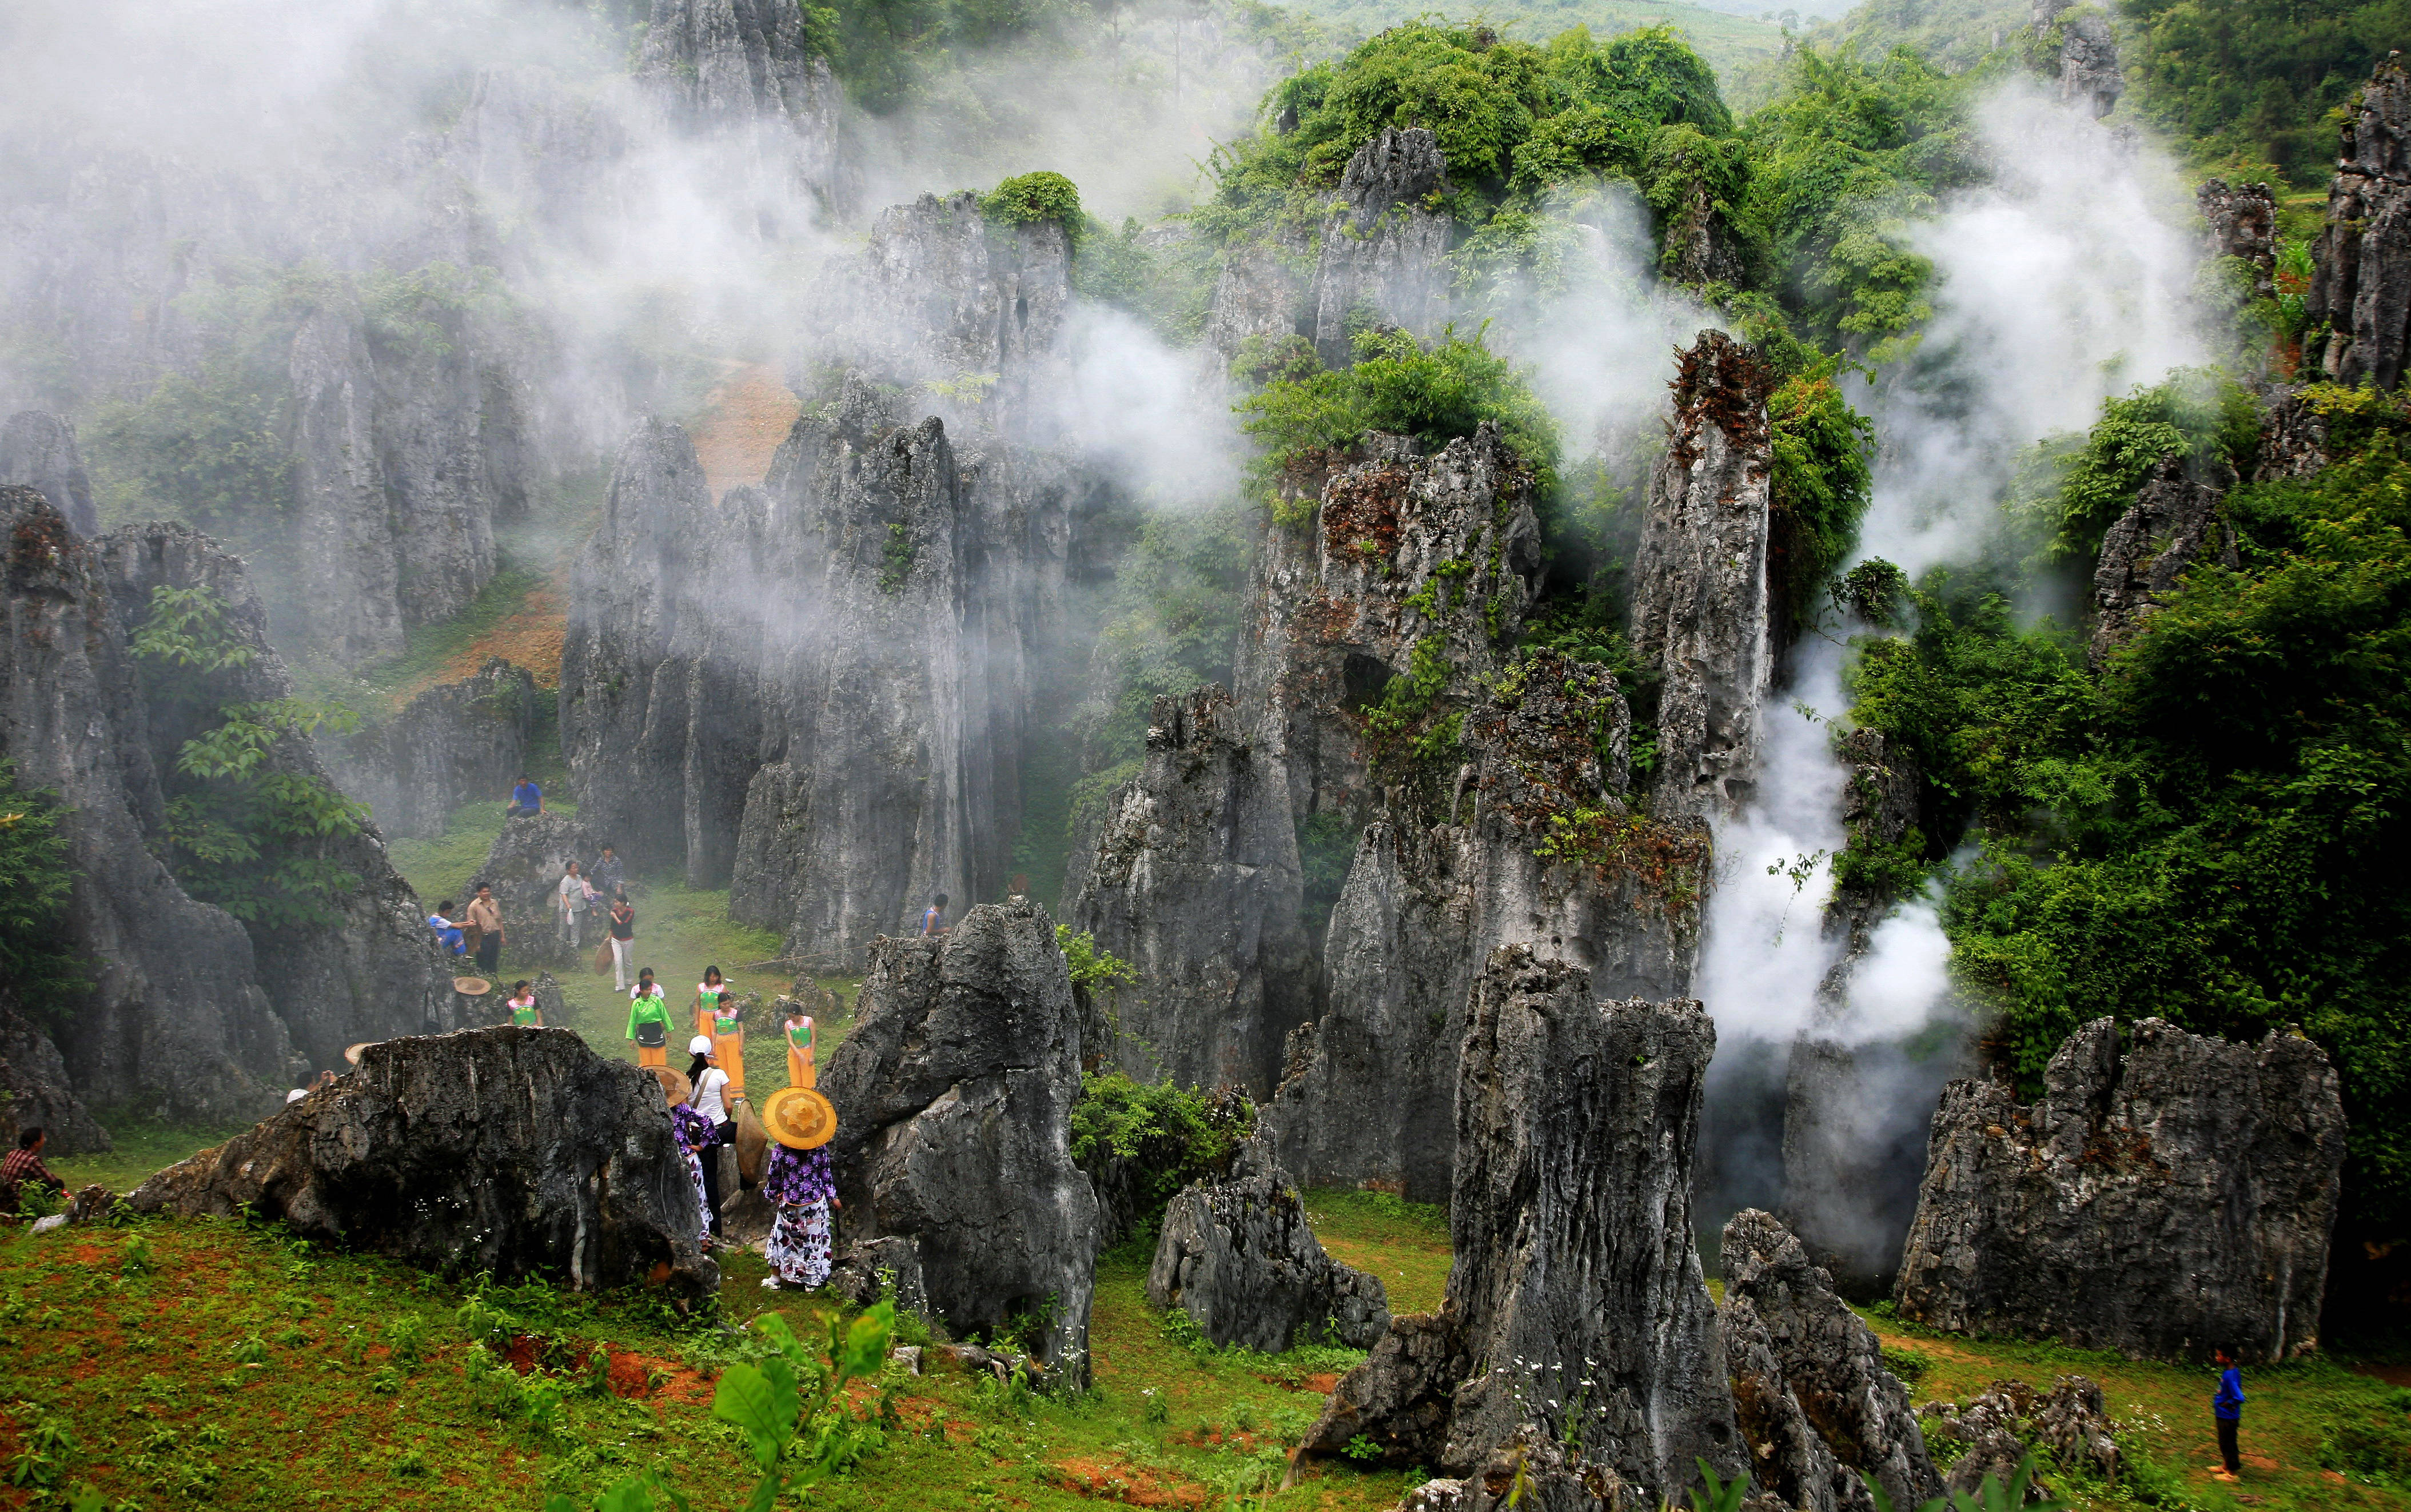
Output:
[[711, 1084], [575, 895]]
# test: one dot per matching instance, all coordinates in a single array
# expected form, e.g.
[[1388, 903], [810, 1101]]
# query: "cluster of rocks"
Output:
[[515, 1151], [2361, 282], [2153, 1154], [177, 1022]]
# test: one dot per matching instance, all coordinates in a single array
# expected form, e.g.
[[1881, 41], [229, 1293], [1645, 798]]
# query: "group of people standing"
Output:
[[797, 1178]]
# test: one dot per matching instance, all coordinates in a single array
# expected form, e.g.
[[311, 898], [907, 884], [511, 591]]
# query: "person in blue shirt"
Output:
[[933, 918], [526, 798], [447, 931], [2228, 1407]]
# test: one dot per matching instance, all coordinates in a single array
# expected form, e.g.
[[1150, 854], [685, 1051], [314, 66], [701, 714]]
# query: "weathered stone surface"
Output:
[[733, 62], [370, 969], [1813, 1401], [1261, 292], [1238, 1257], [517, 1151], [2360, 283], [1194, 881], [953, 1095], [39, 450], [2241, 223], [1698, 244], [457, 743], [1570, 1221], [524, 867], [2081, 50], [1401, 549], [2176, 521], [2084, 1216], [2293, 437], [1383, 248], [1700, 596], [41, 1095], [1440, 883], [2070, 1427]]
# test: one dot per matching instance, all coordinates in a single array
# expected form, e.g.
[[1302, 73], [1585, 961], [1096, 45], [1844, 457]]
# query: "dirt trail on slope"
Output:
[[742, 423]]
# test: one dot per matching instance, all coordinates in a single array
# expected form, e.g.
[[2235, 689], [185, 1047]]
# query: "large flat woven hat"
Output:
[[800, 1118], [676, 1088]]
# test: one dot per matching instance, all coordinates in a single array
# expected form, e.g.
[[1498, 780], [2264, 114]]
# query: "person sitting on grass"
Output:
[[527, 799], [24, 1163]]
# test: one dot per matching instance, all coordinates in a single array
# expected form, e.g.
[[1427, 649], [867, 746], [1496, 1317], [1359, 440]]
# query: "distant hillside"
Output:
[[1730, 42]]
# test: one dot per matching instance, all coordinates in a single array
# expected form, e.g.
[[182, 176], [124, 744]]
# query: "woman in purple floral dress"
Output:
[[803, 1186], [695, 1136]]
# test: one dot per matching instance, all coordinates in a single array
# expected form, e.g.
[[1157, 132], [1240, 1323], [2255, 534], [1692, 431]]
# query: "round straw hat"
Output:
[[675, 1087], [800, 1118]]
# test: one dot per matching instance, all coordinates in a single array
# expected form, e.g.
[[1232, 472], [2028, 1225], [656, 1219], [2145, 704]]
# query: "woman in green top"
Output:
[[522, 1006], [800, 1071], [648, 1021]]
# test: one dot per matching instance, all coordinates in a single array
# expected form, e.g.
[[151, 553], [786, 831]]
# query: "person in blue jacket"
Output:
[[527, 799], [2228, 1407], [447, 934]]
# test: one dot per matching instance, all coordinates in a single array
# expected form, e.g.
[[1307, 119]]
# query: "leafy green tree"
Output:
[[2247, 80], [36, 879]]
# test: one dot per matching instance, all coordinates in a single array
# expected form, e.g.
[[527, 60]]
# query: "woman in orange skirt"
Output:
[[800, 1070], [648, 1021]]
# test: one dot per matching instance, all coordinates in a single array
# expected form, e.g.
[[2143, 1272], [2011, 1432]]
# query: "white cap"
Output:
[[699, 1045], [294, 1096]]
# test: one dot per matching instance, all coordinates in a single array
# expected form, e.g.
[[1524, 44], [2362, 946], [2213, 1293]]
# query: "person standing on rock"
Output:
[[486, 917], [574, 895], [622, 923], [524, 1012], [802, 1185], [648, 1021], [800, 1070], [2227, 1406], [710, 1086], [933, 919], [607, 874], [527, 799]]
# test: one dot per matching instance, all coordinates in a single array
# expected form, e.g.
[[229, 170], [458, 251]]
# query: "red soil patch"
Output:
[[1123, 1482], [88, 1254], [743, 421], [531, 638], [633, 1375], [2390, 1375]]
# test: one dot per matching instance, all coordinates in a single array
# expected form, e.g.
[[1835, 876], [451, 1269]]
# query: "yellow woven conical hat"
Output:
[[800, 1118], [676, 1088]]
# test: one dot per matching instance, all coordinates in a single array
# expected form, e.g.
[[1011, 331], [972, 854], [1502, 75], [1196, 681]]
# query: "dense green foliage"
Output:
[[1503, 111], [2208, 830], [1844, 156], [2256, 82], [1152, 1137], [1031, 197], [2072, 491], [37, 875], [246, 821], [1819, 489], [1434, 393]]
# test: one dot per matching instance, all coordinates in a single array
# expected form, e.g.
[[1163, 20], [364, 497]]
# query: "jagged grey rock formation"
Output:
[[524, 867], [1698, 244], [953, 1095], [1260, 292], [1383, 248], [2360, 283], [2081, 50], [38, 450], [816, 691], [367, 969], [2088, 1217], [1533, 844], [743, 74], [1401, 549], [1570, 1220], [1239, 1258], [1194, 881], [1700, 599], [2241, 223], [515, 1151], [2176, 521], [457, 743], [41, 1095], [177, 1023], [2293, 437], [1811, 1394]]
